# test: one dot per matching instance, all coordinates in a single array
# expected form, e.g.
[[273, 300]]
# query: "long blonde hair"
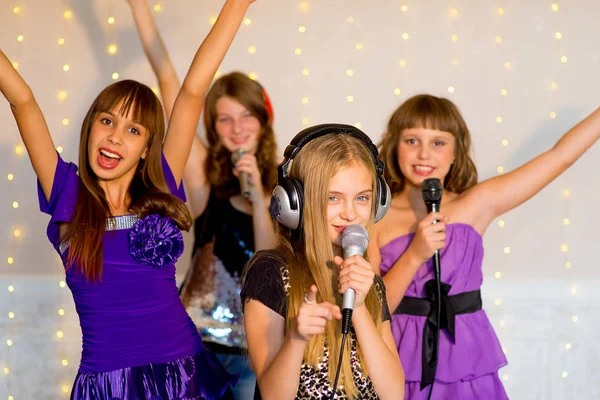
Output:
[[311, 261]]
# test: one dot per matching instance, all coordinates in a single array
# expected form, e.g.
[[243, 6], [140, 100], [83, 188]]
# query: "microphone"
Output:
[[243, 178], [355, 240], [432, 196]]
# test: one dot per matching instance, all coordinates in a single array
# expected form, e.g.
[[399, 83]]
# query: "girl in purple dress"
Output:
[[229, 227], [428, 138], [116, 225]]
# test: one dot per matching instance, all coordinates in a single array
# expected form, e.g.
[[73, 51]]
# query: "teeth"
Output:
[[422, 168], [109, 154]]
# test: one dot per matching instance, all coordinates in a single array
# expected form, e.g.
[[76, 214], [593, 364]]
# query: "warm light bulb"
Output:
[[504, 142], [111, 20], [503, 92], [10, 260], [157, 8], [304, 6], [20, 38], [61, 41], [350, 20], [15, 204], [115, 76], [66, 67], [564, 59], [305, 72], [558, 35], [349, 98], [65, 121], [59, 149], [454, 38], [9, 342], [11, 288], [252, 49], [568, 264], [17, 232], [573, 289], [506, 250], [10, 177], [498, 275], [404, 8], [16, 9], [454, 62], [301, 29], [498, 39], [504, 377], [65, 362], [349, 72], [500, 11], [453, 12], [497, 302], [15, 65], [358, 125], [11, 315], [68, 14], [62, 284], [254, 75], [304, 121], [61, 312], [564, 248], [568, 346], [451, 89], [6, 370], [501, 223], [358, 46], [397, 92], [564, 374], [566, 193], [305, 100], [555, 7], [499, 120], [60, 334], [500, 169], [405, 36], [213, 20], [575, 318], [247, 21], [62, 95], [507, 65], [19, 149], [112, 49], [298, 51], [402, 63]]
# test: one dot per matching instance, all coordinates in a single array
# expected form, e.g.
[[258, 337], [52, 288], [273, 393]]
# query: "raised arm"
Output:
[[501, 194], [31, 123], [157, 53], [189, 102]]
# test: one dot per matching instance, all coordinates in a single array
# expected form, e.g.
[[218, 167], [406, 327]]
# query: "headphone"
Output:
[[288, 196]]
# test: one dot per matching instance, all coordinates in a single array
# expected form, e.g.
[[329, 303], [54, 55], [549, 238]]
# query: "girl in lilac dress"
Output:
[[428, 138], [116, 225]]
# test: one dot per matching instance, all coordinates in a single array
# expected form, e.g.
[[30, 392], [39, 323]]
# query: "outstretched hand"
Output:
[[312, 316]]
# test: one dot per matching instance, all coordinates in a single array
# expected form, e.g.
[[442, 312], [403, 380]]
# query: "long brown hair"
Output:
[[219, 168], [429, 112], [316, 163], [148, 189]]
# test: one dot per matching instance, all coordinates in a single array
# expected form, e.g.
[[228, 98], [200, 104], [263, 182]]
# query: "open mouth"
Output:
[[108, 159], [423, 169], [340, 229]]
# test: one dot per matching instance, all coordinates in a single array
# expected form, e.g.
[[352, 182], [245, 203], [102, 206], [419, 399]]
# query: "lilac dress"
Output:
[[468, 368], [138, 341]]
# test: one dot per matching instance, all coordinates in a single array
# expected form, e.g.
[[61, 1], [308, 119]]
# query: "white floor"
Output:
[[550, 356]]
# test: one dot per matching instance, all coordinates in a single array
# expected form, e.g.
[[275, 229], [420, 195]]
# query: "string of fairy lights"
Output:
[[303, 8], [560, 63]]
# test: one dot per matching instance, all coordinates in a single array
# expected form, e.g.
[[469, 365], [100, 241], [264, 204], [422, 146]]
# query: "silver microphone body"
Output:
[[243, 177], [355, 240]]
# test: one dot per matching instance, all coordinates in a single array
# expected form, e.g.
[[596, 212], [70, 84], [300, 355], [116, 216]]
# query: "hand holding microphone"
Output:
[[356, 274], [236, 156]]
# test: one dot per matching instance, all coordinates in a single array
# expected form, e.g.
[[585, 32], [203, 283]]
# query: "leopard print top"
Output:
[[315, 383]]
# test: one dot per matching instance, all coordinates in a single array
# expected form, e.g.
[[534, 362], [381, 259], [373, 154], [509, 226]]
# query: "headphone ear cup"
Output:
[[286, 203], [383, 202]]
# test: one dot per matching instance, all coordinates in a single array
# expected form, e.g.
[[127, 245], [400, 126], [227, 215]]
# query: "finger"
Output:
[[311, 295], [338, 260], [333, 309]]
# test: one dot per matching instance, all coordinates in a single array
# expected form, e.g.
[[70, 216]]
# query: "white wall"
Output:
[[538, 294]]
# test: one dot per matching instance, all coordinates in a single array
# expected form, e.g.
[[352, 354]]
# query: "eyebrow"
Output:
[[362, 192]]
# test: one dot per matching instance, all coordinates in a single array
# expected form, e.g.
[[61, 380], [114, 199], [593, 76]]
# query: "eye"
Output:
[[410, 141], [106, 121], [134, 131], [364, 198], [333, 199], [248, 115], [223, 120], [439, 143]]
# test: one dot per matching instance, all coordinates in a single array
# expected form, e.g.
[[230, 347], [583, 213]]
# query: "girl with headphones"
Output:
[[229, 225], [291, 294]]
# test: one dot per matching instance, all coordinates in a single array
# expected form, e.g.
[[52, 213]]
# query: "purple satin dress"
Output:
[[138, 341], [467, 369]]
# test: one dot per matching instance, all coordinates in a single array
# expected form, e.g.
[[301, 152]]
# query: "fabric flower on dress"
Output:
[[155, 241]]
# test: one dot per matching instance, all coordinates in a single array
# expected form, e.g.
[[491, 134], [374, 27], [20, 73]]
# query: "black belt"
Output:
[[462, 303]]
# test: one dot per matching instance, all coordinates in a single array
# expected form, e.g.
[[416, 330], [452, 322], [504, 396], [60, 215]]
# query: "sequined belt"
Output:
[[462, 303]]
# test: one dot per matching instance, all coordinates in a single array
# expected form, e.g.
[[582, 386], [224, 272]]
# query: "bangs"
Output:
[[135, 98], [428, 112]]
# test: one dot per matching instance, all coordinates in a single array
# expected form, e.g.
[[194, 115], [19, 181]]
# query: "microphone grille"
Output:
[[355, 236], [236, 155], [432, 190]]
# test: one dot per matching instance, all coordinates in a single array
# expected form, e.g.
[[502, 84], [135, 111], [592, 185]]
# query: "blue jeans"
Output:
[[234, 363]]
